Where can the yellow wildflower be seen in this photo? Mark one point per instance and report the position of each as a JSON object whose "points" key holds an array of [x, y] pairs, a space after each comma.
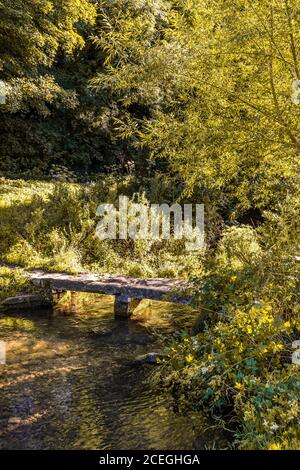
{"points": [[189, 358], [239, 386], [274, 446]]}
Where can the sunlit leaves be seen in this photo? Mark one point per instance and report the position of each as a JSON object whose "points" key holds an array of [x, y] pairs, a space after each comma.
{"points": [[216, 79]]}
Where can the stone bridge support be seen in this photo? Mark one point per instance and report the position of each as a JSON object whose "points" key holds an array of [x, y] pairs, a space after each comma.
{"points": [[125, 306]]}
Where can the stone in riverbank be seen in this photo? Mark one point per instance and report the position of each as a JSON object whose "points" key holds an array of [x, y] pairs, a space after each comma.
{"points": [[150, 358], [24, 301]]}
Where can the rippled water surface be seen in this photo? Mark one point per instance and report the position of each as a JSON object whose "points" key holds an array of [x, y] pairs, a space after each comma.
{"points": [[70, 381]]}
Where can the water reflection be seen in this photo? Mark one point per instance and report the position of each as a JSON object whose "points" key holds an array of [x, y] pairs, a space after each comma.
{"points": [[69, 382]]}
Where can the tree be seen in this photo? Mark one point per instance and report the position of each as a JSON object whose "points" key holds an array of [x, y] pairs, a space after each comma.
{"points": [[216, 78], [33, 31], [51, 116], [45, 62]]}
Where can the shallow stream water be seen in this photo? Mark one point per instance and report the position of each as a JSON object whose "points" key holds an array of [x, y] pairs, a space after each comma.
{"points": [[71, 382]]}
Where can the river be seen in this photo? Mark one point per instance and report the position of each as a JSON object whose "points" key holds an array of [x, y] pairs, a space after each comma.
{"points": [[71, 381]]}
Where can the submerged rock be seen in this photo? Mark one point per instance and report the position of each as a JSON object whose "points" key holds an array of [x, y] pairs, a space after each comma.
{"points": [[25, 301], [14, 420]]}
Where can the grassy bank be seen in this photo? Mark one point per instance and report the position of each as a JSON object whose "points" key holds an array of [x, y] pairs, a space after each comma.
{"points": [[52, 225], [13, 282]]}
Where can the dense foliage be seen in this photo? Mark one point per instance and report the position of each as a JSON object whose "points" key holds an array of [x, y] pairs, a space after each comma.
{"points": [[238, 363], [51, 116], [195, 101], [53, 225], [217, 79]]}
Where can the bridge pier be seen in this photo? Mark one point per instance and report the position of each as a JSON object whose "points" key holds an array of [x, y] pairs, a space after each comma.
{"points": [[57, 295], [124, 306]]}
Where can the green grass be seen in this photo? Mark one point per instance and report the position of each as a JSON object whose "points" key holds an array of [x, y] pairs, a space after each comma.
{"points": [[52, 225]]}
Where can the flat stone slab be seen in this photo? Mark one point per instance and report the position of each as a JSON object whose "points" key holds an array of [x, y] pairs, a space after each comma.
{"points": [[153, 289]]}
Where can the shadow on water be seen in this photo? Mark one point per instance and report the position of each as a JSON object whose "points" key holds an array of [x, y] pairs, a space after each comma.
{"points": [[69, 381]]}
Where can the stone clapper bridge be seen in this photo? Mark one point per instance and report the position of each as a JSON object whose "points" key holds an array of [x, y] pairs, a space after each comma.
{"points": [[128, 292]]}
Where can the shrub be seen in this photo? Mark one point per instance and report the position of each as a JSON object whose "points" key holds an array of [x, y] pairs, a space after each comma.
{"points": [[238, 365], [13, 282], [53, 226]]}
